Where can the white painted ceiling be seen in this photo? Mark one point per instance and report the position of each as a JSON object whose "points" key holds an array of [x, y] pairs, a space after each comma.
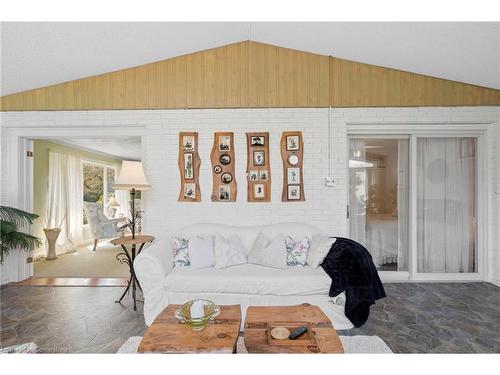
{"points": [[125, 148], [39, 54]]}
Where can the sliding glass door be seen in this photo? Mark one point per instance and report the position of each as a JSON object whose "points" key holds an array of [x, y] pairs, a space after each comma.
{"points": [[440, 204], [378, 181], [446, 205]]}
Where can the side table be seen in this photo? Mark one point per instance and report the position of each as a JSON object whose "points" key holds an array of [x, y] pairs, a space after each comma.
{"points": [[129, 257]]}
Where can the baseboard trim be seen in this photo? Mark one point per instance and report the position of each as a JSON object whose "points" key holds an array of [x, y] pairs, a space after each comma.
{"points": [[71, 281], [495, 281]]}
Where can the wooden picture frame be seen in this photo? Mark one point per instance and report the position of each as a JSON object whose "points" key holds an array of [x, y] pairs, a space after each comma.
{"points": [[292, 156], [189, 167], [224, 186], [258, 167]]}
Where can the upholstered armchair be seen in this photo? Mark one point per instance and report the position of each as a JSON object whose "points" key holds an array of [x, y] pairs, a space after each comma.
{"points": [[100, 226]]}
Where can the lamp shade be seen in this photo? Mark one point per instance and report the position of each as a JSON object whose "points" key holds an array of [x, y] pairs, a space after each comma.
{"points": [[131, 177], [113, 202]]}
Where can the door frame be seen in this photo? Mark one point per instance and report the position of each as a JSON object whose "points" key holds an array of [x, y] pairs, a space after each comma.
{"points": [[17, 140], [422, 130]]}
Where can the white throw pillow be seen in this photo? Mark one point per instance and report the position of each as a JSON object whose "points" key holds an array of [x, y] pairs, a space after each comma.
{"points": [[229, 251], [296, 251], [179, 247], [320, 246], [269, 253], [201, 252]]}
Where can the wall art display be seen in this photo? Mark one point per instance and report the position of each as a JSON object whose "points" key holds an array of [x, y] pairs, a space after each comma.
{"points": [[226, 178], [259, 158], [225, 159], [189, 167], [190, 191], [224, 187], [292, 143], [258, 191], [292, 155], [293, 159], [258, 141], [258, 167], [293, 176], [188, 143], [224, 143], [225, 193], [294, 192]]}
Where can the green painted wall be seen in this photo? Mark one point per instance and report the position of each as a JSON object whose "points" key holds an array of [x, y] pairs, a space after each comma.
{"points": [[41, 175]]}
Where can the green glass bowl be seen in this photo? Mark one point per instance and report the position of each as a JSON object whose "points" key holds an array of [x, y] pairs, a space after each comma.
{"points": [[211, 310]]}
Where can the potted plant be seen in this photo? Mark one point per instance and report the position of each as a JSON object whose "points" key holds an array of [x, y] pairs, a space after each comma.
{"points": [[11, 220]]}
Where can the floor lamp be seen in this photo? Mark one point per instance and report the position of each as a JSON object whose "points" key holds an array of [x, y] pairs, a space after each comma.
{"points": [[132, 178]]}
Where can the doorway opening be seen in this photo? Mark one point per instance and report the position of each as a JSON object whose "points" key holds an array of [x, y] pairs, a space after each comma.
{"points": [[74, 197]]}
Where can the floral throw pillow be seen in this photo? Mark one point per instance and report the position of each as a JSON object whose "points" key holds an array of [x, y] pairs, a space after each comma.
{"points": [[181, 253], [296, 251]]}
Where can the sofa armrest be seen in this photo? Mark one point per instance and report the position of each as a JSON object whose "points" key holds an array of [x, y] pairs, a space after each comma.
{"points": [[151, 267]]}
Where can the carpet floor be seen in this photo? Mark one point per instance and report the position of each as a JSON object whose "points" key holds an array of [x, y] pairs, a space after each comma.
{"points": [[84, 263]]}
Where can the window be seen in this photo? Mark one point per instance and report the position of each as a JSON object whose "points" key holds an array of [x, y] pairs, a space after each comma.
{"points": [[98, 180]]}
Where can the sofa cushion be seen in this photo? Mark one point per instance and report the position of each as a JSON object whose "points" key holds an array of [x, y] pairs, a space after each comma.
{"points": [[296, 251], [249, 279], [320, 246], [180, 251], [248, 234], [269, 252], [229, 251], [201, 252]]}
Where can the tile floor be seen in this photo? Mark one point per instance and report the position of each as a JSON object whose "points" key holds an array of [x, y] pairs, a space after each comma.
{"points": [[414, 318]]}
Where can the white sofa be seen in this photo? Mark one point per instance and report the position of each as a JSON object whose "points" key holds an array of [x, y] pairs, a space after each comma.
{"points": [[246, 285]]}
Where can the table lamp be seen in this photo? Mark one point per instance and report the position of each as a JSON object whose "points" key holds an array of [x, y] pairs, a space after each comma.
{"points": [[132, 178], [112, 205]]}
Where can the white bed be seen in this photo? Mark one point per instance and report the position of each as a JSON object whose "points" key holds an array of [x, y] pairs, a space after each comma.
{"points": [[382, 238]]}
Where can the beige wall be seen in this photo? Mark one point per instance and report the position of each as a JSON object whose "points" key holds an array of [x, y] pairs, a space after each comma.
{"points": [[41, 175]]}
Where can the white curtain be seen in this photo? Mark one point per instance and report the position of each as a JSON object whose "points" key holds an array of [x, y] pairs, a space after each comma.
{"points": [[445, 204], [402, 201], [65, 200], [123, 198], [358, 191]]}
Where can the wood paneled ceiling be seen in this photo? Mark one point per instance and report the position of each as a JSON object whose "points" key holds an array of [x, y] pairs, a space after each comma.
{"points": [[251, 75]]}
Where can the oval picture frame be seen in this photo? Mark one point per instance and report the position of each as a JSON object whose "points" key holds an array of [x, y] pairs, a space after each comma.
{"points": [[226, 178], [217, 169], [293, 160], [225, 159]]}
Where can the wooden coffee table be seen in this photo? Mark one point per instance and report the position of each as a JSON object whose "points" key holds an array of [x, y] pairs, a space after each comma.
{"points": [[323, 338], [168, 335]]}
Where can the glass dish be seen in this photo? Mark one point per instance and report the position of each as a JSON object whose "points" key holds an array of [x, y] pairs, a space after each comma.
{"points": [[211, 310]]}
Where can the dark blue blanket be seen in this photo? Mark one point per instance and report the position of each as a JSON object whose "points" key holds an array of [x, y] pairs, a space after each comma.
{"points": [[351, 268]]}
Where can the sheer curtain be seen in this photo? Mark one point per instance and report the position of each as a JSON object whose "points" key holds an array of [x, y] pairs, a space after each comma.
{"points": [[402, 202], [358, 190], [65, 200], [446, 204], [123, 198]]}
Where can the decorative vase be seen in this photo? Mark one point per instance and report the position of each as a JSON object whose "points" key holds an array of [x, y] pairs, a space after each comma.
{"points": [[51, 234]]}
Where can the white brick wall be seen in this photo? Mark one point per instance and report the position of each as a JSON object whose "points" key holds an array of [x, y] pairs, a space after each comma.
{"points": [[324, 207]]}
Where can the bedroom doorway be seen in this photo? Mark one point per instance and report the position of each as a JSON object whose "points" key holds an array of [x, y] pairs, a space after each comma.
{"points": [[414, 202]]}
